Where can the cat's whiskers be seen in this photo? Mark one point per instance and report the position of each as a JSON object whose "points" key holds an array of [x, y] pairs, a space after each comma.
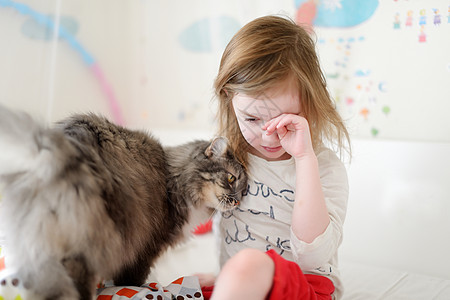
{"points": [[215, 210]]}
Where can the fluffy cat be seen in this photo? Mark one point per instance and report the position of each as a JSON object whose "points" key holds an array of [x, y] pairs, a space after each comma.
{"points": [[88, 199]]}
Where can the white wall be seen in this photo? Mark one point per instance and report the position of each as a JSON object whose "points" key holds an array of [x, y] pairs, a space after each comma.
{"points": [[160, 58]]}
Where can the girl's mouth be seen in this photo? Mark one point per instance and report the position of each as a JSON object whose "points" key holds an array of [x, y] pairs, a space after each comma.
{"points": [[272, 149]]}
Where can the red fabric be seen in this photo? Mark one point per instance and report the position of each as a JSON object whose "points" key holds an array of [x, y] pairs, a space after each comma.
{"points": [[203, 228], [2, 263], [289, 282], [207, 292]]}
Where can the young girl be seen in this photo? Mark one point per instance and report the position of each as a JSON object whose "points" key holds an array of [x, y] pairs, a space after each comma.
{"points": [[282, 242]]}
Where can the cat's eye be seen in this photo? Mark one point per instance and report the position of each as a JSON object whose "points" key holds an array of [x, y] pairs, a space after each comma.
{"points": [[231, 178]]}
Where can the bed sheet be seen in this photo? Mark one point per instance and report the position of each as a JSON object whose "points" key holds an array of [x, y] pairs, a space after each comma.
{"points": [[361, 281], [371, 282]]}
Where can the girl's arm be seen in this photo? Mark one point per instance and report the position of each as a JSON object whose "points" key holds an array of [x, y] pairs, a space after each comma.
{"points": [[310, 215]]}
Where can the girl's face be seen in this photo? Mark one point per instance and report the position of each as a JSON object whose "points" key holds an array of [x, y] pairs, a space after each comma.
{"points": [[253, 112]]}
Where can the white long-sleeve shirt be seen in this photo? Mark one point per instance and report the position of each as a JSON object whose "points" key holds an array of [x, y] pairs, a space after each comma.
{"points": [[263, 219]]}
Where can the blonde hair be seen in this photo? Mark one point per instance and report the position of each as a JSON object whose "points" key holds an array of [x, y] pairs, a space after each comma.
{"points": [[261, 54]]}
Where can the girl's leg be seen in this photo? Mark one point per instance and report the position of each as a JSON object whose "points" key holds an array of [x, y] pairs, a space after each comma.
{"points": [[247, 275]]}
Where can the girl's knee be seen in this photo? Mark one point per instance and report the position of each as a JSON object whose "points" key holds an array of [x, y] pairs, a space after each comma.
{"points": [[250, 256], [247, 275], [251, 261]]}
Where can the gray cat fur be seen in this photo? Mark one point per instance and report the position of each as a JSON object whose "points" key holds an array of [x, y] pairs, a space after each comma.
{"points": [[87, 200]]}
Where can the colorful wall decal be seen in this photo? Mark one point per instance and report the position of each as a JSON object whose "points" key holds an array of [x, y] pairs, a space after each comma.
{"points": [[36, 30], [448, 16], [209, 33], [362, 73], [437, 17], [374, 78], [397, 21], [374, 132], [423, 17], [359, 93], [383, 86], [337, 13], [306, 12], [409, 18], [381, 59], [425, 20], [47, 24]]}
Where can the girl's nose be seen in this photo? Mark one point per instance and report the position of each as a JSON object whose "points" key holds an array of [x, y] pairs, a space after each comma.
{"points": [[269, 139]]}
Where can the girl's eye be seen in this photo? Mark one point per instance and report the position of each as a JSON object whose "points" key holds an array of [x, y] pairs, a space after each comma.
{"points": [[231, 178], [251, 119]]}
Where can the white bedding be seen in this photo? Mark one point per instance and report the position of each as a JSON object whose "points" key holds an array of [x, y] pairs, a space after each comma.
{"points": [[361, 281]]}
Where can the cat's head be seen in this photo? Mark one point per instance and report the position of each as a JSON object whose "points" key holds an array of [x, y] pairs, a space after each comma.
{"points": [[224, 177]]}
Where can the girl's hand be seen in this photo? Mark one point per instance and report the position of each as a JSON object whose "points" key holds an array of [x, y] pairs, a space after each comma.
{"points": [[293, 132]]}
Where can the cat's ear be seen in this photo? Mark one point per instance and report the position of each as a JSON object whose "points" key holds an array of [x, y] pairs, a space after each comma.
{"points": [[218, 147]]}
